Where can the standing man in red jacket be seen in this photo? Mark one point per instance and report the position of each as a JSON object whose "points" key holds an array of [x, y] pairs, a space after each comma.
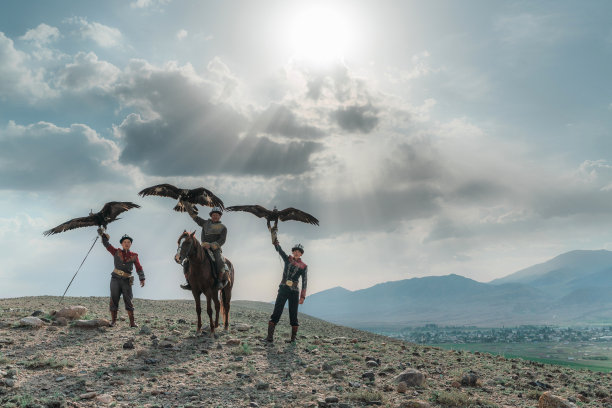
{"points": [[121, 277], [288, 288]]}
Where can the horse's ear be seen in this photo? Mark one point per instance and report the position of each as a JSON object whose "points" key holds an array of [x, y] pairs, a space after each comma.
{"points": [[193, 234]]}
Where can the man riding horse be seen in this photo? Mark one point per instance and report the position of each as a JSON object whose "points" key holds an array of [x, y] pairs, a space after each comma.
{"points": [[213, 238]]}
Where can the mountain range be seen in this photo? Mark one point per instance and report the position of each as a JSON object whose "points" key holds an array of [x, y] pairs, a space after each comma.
{"points": [[571, 289]]}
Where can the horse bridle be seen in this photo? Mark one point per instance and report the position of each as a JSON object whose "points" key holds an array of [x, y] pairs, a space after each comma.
{"points": [[178, 252]]}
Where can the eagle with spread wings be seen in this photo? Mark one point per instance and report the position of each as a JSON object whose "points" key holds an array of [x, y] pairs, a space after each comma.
{"points": [[276, 215], [185, 196], [108, 214]]}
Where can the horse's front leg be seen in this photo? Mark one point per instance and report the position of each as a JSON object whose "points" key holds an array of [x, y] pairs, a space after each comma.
{"points": [[217, 306], [198, 311], [209, 311]]}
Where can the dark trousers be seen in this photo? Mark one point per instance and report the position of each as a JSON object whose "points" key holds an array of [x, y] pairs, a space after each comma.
{"points": [[284, 294], [120, 286]]}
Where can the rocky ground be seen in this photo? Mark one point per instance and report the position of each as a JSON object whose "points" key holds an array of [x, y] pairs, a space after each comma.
{"points": [[164, 364]]}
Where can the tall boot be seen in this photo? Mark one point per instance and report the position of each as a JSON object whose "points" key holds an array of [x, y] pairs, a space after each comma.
{"points": [[271, 327], [294, 330], [131, 316], [113, 318], [222, 279], [186, 286]]}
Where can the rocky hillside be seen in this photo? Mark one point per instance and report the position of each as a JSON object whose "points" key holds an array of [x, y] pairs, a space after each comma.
{"points": [[164, 364]]}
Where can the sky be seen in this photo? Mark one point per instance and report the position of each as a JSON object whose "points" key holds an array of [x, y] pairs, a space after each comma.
{"points": [[428, 138]]}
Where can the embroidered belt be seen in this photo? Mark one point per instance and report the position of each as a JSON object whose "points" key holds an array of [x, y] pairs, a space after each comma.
{"points": [[122, 273], [291, 283]]}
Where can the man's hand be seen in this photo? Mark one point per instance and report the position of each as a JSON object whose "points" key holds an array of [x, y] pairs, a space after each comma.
{"points": [[142, 283], [302, 300], [273, 235], [206, 245]]}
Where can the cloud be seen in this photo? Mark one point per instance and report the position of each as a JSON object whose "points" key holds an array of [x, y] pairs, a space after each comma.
{"points": [[17, 79], [355, 118], [101, 34], [41, 35], [279, 120], [181, 34], [43, 156], [183, 130], [154, 4], [86, 72]]}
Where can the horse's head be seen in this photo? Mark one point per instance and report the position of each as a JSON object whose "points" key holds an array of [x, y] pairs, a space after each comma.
{"points": [[186, 244]]}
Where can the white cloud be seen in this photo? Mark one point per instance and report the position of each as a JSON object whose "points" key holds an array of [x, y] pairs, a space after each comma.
{"points": [[154, 4], [86, 72], [45, 156], [17, 78], [43, 34], [181, 34], [101, 34]]}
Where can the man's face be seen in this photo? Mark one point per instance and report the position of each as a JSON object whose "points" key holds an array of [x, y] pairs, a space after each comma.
{"points": [[126, 244], [215, 216], [297, 253]]}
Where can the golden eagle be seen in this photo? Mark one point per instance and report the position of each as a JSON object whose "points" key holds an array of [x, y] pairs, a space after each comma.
{"points": [[185, 196], [275, 215], [108, 214]]}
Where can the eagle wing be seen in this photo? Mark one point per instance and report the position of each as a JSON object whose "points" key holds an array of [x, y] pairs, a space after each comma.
{"points": [[164, 190], [297, 215], [257, 210], [88, 221], [113, 208], [205, 197]]}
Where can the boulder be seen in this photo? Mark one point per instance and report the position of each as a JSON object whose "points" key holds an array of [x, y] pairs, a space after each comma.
{"points": [[242, 326], [31, 321], [415, 404], [547, 400], [71, 312], [411, 377], [91, 324]]}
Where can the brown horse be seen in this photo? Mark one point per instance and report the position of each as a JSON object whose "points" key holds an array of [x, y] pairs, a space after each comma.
{"points": [[202, 280]]}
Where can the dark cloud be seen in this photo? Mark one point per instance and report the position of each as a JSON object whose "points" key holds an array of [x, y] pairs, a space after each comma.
{"points": [[355, 118], [183, 131], [44, 156], [280, 120]]}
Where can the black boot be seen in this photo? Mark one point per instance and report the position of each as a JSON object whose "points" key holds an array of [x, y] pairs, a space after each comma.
{"points": [[271, 327], [186, 286], [294, 330], [221, 279]]}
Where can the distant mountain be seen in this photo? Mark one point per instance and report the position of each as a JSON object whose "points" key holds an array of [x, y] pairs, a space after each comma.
{"points": [[566, 273], [575, 287]]}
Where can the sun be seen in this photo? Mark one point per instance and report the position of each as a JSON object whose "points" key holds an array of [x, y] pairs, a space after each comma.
{"points": [[320, 36]]}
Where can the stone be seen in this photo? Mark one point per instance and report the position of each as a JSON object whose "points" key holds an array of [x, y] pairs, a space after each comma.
{"points": [[88, 395], [233, 342], [9, 382], [469, 379], [90, 324], [368, 375], [411, 377], [242, 326], [145, 330], [71, 312], [31, 321], [415, 404], [104, 398], [128, 345], [262, 386], [339, 374], [313, 371], [60, 378], [60, 321], [331, 400], [402, 387], [37, 313], [372, 363], [547, 400]]}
